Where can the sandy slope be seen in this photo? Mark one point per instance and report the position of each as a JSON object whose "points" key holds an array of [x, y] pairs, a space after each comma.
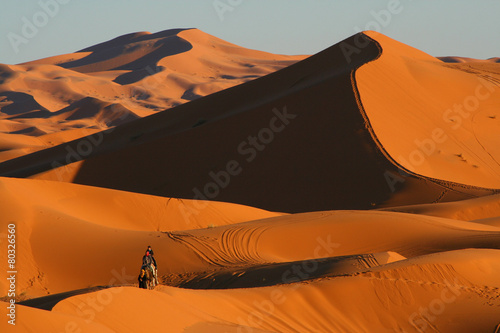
{"points": [[101, 244], [416, 271], [382, 299], [467, 60], [371, 302], [336, 130], [446, 128], [50, 216], [485, 210], [129, 77]]}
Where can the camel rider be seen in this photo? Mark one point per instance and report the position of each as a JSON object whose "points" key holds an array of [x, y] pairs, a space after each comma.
{"points": [[146, 261], [149, 261], [152, 254]]}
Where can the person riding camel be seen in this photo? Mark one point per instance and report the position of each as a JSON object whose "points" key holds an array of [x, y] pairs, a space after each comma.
{"points": [[149, 261], [146, 260], [152, 254]]}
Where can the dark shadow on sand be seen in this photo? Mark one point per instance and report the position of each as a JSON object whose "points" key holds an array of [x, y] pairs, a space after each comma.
{"points": [[48, 302]]}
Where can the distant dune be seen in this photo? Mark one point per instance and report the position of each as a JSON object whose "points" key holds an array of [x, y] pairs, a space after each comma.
{"points": [[50, 101], [465, 59], [354, 190]]}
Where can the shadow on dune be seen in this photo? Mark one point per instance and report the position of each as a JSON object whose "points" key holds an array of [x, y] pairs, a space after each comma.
{"points": [[85, 108], [274, 274], [134, 52], [324, 139], [21, 103], [48, 302]]}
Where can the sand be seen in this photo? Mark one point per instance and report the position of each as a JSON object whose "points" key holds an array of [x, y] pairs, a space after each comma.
{"points": [[117, 81], [450, 137], [341, 192]]}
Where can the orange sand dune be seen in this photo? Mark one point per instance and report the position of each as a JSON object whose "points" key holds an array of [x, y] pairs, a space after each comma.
{"points": [[332, 116], [478, 209], [36, 205], [347, 293], [367, 123], [451, 298], [446, 130], [100, 236], [120, 80], [371, 302]]}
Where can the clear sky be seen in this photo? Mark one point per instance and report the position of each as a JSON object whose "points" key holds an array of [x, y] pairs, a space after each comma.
{"points": [[32, 29]]}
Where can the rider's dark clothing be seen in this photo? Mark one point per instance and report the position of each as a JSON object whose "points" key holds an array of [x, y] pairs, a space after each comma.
{"points": [[152, 255], [147, 261]]}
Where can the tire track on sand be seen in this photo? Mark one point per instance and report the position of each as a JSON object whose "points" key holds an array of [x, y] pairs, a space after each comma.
{"points": [[235, 246]]}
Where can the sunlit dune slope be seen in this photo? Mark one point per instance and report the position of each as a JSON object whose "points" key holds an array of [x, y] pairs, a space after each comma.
{"points": [[435, 119], [91, 215], [99, 243], [445, 286], [367, 123], [484, 210]]}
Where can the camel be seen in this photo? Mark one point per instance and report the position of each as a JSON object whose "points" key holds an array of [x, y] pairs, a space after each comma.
{"points": [[146, 279]]}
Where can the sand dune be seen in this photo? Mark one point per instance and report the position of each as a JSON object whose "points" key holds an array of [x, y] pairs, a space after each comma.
{"points": [[451, 136], [354, 265], [379, 300], [466, 59], [467, 210], [370, 302], [126, 78], [376, 162], [321, 115], [122, 225], [47, 206]]}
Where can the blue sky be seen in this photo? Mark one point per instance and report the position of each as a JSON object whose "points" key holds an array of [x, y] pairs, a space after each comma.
{"points": [[32, 29]]}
